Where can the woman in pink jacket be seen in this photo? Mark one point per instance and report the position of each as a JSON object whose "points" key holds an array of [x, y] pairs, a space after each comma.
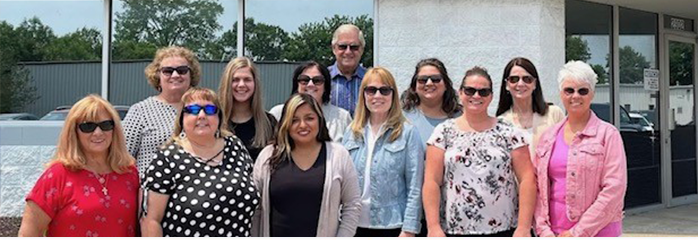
{"points": [[581, 166]]}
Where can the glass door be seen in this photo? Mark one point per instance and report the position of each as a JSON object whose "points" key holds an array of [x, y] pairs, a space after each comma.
{"points": [[682, 120]]}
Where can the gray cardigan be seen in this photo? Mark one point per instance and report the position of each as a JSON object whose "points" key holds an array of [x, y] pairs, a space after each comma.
{"points": [[341, 191]]}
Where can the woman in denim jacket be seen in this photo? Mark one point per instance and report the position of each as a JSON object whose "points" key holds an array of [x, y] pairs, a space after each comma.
{"points": [[581, 166], [391, 182]]}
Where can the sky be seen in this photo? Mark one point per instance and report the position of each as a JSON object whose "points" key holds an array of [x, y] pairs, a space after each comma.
{"points": [[65, 16]]}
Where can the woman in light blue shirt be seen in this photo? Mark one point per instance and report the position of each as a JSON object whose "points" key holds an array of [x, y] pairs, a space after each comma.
{"points": [[388, 155]]}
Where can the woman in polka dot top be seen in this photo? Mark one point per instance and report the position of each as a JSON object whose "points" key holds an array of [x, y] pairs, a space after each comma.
{"points": [[200, 182]]}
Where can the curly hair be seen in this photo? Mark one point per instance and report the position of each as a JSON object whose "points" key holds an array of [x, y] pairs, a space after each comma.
{"points": [[151, 71]]}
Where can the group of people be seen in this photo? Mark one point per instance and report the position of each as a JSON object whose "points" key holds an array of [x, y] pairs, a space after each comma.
{"points": [[343, 156]]}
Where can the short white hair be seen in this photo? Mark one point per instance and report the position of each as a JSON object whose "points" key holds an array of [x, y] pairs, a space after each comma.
{"points": [[577, 71], [345, 28]]}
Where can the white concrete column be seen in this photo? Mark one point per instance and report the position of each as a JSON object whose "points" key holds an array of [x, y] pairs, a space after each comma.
{"points": [[465, 33]]}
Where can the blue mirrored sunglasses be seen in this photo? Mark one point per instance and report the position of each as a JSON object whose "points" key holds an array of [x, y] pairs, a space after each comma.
{"points": [[195, 109]]}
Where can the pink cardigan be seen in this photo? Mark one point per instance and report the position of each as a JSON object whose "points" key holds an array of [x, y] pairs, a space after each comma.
{"points": [[596, 178]]}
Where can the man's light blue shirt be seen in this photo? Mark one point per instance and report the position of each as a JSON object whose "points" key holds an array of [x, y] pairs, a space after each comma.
{"points": [[345, 92]]}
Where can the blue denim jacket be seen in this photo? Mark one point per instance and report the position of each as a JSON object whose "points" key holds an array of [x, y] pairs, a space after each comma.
{"points": [[397, 174]]}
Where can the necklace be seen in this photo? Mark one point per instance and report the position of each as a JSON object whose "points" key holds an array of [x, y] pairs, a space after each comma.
{"points": [[103, 180], [211, 160]]}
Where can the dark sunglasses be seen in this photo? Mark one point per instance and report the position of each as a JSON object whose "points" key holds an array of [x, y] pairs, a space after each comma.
{"points": [[89, 127], [526, 79], [434, 78], [168, 70], [470, 91], [345, 46], [385, 91], [570, 91], [195, 109], [304, 80]]}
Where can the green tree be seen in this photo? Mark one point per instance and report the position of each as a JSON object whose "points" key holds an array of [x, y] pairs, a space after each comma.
{"points": [[188, 23], [83, 44], [632, 65], [681, 64], [576, 49], [263, 42], [601, 73], [313, 41], [17, 86], [26, 42]]}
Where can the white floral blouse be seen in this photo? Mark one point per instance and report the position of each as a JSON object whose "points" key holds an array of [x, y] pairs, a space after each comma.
{"points": [[479, 191]]}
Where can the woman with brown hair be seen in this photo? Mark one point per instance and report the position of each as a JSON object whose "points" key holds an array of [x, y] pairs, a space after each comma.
{"points": [[308, 183], [91, 186], [240, 93]]}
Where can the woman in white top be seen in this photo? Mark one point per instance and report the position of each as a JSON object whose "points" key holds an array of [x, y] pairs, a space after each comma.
{"points": [[521, 101], [313, 78]]}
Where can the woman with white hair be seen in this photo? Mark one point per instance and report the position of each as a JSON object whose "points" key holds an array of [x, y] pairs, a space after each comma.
{"points": [[581, 166]]}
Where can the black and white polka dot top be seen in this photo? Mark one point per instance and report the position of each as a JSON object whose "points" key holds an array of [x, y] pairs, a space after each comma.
{"points": [[205, 200]]}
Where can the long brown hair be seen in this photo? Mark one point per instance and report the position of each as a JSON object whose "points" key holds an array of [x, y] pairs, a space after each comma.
{"points": [[283, 145], [450, 105], [395, 117], [263, 130], [69, 151], [506, 101]]}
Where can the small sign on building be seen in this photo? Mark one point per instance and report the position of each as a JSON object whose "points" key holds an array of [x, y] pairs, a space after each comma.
{"points": [[651, 79]]}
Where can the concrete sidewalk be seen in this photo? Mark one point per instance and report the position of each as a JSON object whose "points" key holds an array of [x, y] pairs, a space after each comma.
{"points": [[669, 222]]}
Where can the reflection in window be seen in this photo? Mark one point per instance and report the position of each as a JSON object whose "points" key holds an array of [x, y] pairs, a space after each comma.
{"points": [[36, 40]]}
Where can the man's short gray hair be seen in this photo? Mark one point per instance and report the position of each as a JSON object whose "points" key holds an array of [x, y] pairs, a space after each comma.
{"points": [[344, 28], [578, 71]]}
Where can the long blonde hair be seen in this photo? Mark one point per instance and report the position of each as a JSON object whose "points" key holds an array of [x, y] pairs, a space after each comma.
{"points": [[203, 94], [362, 114], [263, 130], [69, 151]]}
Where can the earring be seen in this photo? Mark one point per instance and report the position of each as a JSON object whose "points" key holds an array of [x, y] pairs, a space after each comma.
{"points": [[182, 135], [218, 134]]}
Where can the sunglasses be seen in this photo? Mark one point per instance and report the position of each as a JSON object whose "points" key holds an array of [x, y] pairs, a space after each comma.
{"points": [[304, 80], [570, 91], [470, 91], [385, 91], [168, 70], [434, 78], [526, 79], [345, 46], [195, 109], [89, 127]]}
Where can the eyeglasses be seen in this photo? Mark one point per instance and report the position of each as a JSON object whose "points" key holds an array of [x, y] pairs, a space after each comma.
{"points": [[168, 70], [526, 79], [470, 91], [570, 91], [345, 46], [385, 91], [195, 109], [434, 78], [304, 80], [89, 127]]}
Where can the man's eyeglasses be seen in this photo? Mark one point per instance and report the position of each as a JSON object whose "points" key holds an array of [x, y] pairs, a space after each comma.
{"points": [[345, 46], [470, 91], [434, 78], [304, 80], [195, 109], [526, 79], [385, 91], [168, 70], [570, 91], [89, 127]]}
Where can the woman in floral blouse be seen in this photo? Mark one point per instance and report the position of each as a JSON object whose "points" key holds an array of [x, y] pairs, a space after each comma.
{"points": [[473, 164]]}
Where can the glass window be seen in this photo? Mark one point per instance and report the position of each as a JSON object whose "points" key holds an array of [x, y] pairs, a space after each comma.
{"points": [[588, 39], [49, 53], [207, 27], [303, 32], [637, 50]]}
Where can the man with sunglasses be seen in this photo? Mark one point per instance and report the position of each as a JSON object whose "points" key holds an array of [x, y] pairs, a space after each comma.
{"points": [[347, 46]]}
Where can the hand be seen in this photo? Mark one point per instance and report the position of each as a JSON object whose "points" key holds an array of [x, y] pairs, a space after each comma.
{"points": [[565, 233], [406, 234], [435, 232], [521, 232]]}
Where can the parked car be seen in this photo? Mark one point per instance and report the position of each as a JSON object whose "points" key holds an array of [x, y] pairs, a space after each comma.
{"points": [[603, 111], [18, 116], [637, 118], [61, 112]]}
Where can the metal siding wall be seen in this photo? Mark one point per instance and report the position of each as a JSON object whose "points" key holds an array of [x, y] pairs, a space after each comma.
{"points": [[65, 83]]}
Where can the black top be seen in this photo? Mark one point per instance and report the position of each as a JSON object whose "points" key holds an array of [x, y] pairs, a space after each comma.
{"points": [[204, 200], [246, 131], [295, 197]]}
